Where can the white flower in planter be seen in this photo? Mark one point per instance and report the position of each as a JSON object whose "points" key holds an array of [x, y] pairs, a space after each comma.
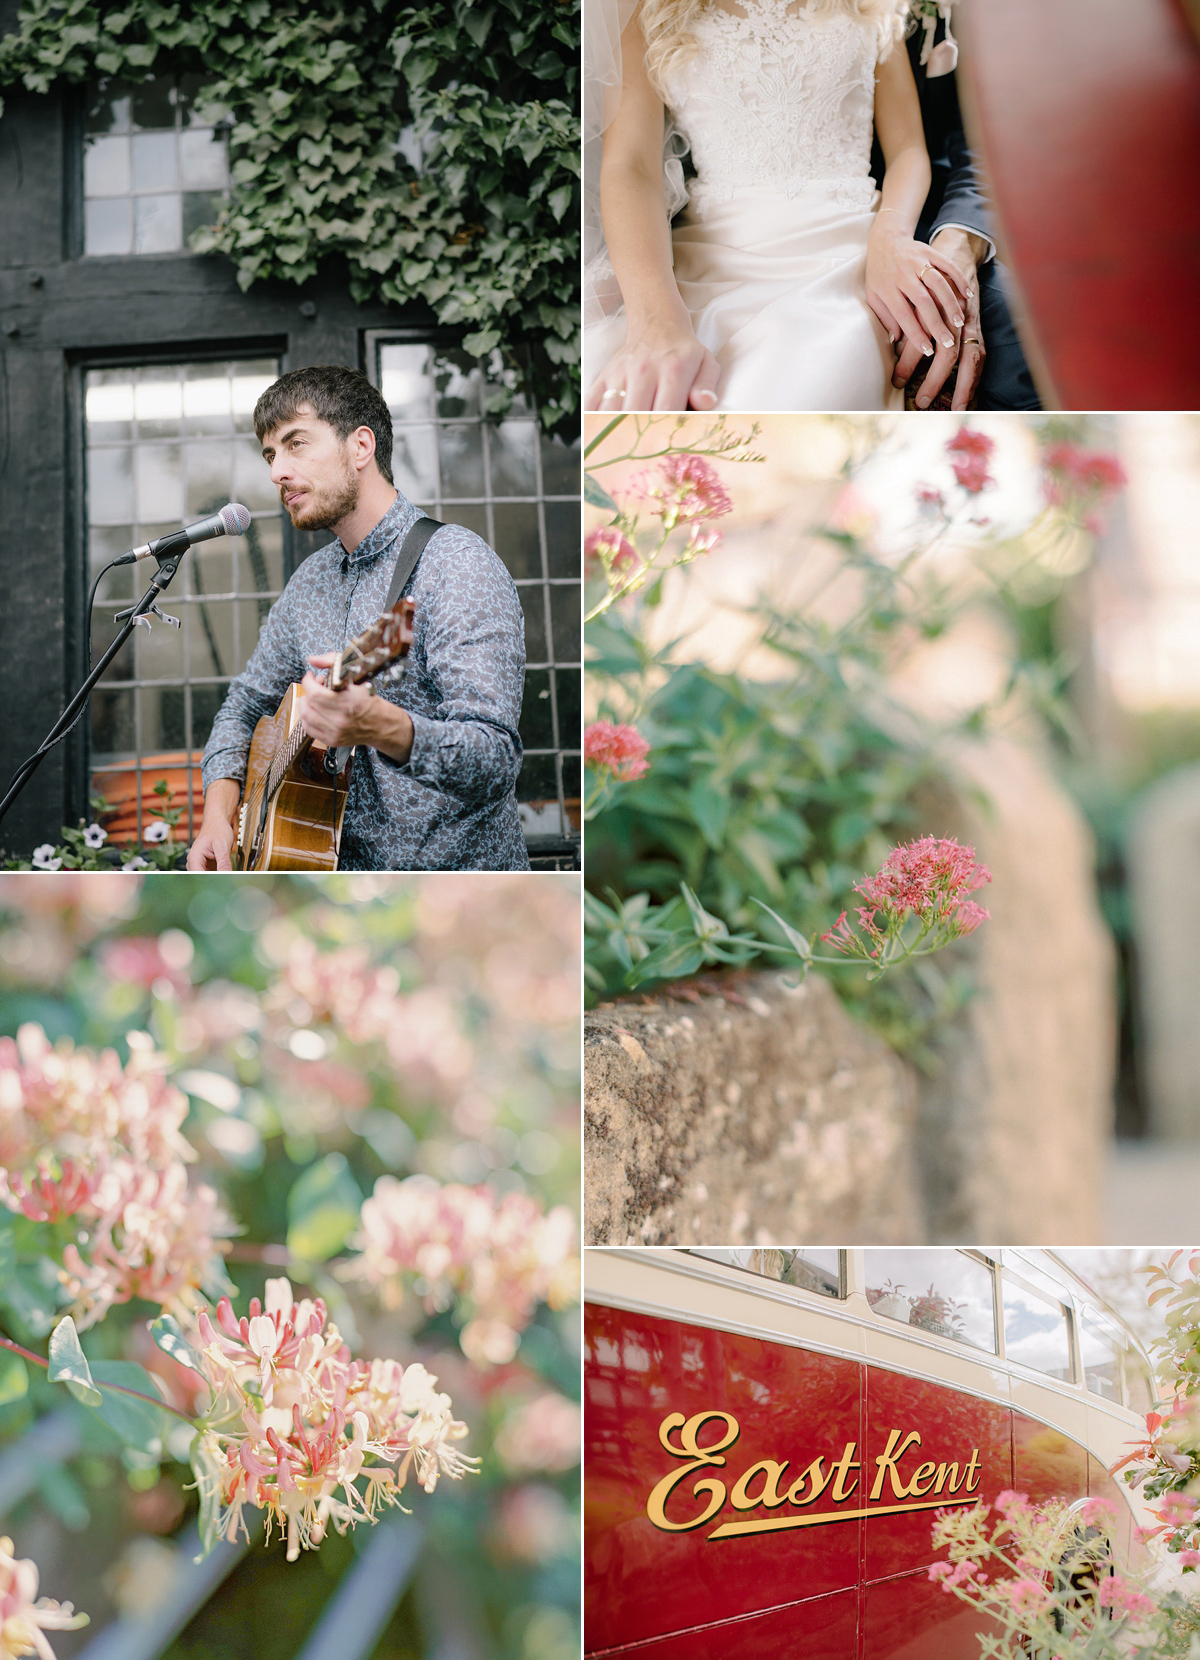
{"points": [[158, 830], [43, 857], [136, 863], [94, 836]]}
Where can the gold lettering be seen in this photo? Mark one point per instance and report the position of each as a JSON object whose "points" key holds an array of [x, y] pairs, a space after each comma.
{"points": [[698, 1457], [925, 1473], [973, 1465], [817, 1479], [841, 1470], [947, 1472], [889, 1458], [770, 1496]]}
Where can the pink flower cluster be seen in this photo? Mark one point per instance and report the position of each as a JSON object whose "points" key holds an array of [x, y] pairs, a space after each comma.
{"points": [[970, 452], [609, 548], [1124, 1598], [502, 1256], [25, 1618], [619, 750], [1082, 480], [82, 1136], [685, 487], [965, 1572], [296, 1424], [929, 879]]}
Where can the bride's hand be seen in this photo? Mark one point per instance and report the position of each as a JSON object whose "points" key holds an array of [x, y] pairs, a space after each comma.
{"points": [[914, 290], [657, 368]]}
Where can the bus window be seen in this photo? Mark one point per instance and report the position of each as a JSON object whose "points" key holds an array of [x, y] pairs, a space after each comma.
{"points": [[1101, 1351], [809, 1267], [1036, 1330], [945, 1292], [1140, 1391]]}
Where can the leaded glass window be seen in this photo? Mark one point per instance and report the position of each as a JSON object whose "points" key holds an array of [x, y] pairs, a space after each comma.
{"points": [[153, 173]]}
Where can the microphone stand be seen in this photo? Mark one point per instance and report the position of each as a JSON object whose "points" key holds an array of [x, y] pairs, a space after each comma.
{"points": [[168, 558]]}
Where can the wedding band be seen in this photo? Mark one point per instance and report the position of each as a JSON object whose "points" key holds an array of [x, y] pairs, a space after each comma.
{"points": [[613, 393], [972, 340]]}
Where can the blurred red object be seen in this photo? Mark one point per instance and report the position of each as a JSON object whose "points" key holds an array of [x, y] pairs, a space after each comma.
{"points": [[119, 785], [1087, 117]]}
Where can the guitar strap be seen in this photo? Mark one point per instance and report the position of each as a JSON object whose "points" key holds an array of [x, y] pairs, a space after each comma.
{"points": [[411, 549]]}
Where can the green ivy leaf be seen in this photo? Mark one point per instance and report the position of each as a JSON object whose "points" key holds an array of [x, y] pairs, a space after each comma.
{"points": [[323, 1207], [68, 1363]]}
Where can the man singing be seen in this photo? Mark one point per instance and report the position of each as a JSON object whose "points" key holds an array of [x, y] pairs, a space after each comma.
{"points": [[432, 786]]}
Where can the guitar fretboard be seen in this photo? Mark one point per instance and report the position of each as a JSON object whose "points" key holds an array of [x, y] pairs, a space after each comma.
{"points": [[298, 740]]}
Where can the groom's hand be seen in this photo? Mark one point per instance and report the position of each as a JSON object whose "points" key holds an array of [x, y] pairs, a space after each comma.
{"points": [[965, 251]]}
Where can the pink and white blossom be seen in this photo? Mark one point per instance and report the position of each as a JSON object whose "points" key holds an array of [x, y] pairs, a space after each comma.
{"points": [[24, 1617]]}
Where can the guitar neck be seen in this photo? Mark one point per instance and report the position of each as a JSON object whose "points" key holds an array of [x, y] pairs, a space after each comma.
{"points": [[296, 744]]}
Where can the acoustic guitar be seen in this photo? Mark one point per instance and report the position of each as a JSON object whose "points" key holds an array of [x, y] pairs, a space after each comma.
{"points": [[294, 798]]}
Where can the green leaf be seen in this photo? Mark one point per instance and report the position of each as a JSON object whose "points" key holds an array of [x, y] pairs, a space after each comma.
{"points": [[673, 961], [596, 495], [64, 1496], [323, 1207], [8, 1247], [795, 939], [68, 1363], [166, 1333], [14, 1379], [138, 1424]]}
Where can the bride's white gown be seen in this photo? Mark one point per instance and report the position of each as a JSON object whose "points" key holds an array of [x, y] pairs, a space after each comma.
{"points": [[777, 107]]}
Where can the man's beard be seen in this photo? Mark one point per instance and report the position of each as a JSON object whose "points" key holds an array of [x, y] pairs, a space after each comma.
{"points": [[327, 503]]}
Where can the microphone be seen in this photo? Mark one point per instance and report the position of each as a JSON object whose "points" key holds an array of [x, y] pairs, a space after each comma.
{"points": [[232, 520]]}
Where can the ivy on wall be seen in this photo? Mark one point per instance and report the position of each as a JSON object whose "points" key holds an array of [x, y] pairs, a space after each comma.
{"points": [[483, 229]]}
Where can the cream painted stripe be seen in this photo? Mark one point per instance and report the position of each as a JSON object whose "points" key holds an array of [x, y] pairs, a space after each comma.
{"points": [[776, 1524]]}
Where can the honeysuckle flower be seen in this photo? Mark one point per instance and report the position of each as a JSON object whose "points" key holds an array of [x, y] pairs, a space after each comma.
{"points": [[158, 830], [43, 858], [296, 1424], [620, 751], [83, 1136], [24, 1617], [501, 1256], [94, 836], [683, 488], [969, 453]]}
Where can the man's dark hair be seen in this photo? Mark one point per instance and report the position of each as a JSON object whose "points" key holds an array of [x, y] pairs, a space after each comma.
{"points": [[343, 397]]}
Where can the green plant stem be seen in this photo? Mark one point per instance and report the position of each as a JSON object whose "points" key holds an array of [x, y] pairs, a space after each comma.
{"points": [[635, 580], [120, 1389], [602, 435]]}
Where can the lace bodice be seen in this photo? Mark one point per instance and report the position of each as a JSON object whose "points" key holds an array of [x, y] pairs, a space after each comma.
{"points": [[777, 97]]}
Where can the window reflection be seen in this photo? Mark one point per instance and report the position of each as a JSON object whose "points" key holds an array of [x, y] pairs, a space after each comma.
{"points": [[500, 479], [152, 174], [810, 1267], [1036, 1330], [168, 444], [940, 1291], [1100, 1349]]}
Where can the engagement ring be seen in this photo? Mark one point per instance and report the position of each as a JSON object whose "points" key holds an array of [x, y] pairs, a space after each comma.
{"points": [[618, 397]]}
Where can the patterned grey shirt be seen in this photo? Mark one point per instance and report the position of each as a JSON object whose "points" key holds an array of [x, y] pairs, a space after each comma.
{"points": [[452, 805]]}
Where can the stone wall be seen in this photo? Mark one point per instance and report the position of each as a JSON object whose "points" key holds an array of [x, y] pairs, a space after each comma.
{"points": [[759, 1116]]}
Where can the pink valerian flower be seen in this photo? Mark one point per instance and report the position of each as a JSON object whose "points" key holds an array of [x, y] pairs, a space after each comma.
{"points": [[928, 879], [296, 1425], [1124, 1598], [24, 1617], [85, 1137], [1010, 1503], [619, 750], [1027, 1596], [1097, 1512], [969, 453], [965, 1572], [1081, 480], [501, 1256], [610, 548], [684, 487], [1188, 1558], [701, 539], [541, 1434]]}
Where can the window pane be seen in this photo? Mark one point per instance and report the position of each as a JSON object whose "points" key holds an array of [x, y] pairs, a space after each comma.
{"points": [[108, 227], [1140, 1390], [106, 169], [141, 484], [537, 719], [1036, 1332], [811, 1267], [154, 167], [202, 164], [513, 458], [1101, 1351], [941, 1291], [157, 224], [517, 540]]}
